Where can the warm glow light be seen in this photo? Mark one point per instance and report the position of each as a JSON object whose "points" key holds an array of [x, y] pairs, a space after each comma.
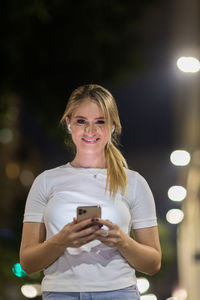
{"points": [[188, 64], [6, 136], [172, 298], [31, 290], [180, 294], [26, 177], [12, 170], [177, 193], [143, 285], [180, 158], [174, 216], [148, 297]]}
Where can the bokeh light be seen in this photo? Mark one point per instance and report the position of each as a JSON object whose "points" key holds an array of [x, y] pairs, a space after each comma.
{"points": [[6, 136], [180, 157], [18, 271], [188, 64], [12, 170], [174, 216], [31, 290], [177, 193], [26, 177], [143, 285]]}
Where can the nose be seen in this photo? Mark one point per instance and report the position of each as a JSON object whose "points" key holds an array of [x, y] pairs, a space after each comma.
{"points": [[90, 128]]}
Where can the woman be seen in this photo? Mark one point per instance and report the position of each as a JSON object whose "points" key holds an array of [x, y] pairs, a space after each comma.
{"points": [[95, 258]]}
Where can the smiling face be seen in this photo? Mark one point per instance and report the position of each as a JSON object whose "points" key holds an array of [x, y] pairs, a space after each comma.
{"points": [[89, 128]]}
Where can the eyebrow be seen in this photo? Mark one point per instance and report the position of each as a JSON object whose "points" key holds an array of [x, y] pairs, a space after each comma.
{"points": [[81, 117]]}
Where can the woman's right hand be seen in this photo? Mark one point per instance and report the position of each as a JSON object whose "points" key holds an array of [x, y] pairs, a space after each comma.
{"points": [[37, 253], [75, 234]]}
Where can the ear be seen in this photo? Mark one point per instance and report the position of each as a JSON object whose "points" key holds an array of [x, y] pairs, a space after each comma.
{"points": [[67, 120]]}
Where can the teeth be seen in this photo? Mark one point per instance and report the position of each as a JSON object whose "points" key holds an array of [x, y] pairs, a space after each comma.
{"points": [[90, 140]]}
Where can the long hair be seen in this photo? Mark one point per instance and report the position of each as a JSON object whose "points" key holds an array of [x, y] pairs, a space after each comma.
{"points": [[116, 175]]}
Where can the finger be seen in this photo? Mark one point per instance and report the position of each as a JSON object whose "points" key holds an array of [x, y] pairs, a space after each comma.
{"points": [[107, 223], [71, 223], [87, 239], [82, 241], [88, 231], [80, 225], [107, 241], [103, 233]]}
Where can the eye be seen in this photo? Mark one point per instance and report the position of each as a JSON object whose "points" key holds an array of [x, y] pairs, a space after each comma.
{"points": [[100, 122], [81, 121]]}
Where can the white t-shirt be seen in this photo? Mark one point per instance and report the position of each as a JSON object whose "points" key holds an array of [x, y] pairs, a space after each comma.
{"points": [[53, 199]]}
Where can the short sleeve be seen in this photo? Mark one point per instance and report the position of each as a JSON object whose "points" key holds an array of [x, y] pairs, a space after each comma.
{"points": [[36, 200], [143, 211]]}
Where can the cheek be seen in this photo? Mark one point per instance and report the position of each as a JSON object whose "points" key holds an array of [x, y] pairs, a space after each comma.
{"points": [[76, 134], [105, 137]]}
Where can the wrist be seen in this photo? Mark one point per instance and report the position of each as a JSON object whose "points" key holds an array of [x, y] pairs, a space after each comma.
{"points": [[123, 244], [57, 241]]}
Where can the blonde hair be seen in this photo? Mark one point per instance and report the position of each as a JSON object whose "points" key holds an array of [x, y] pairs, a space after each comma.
{"points": [[116, 175]]}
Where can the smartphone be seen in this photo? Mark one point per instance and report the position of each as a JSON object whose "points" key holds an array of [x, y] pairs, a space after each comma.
{"points": [[87, 212]]}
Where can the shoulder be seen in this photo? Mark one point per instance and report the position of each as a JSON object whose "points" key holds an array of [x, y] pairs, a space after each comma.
{"points": [[55, 171], [52, 174], [136, 182], [134, 176]]}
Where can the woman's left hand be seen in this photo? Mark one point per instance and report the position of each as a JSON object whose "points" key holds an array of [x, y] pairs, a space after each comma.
{"points": [[113, 236]]}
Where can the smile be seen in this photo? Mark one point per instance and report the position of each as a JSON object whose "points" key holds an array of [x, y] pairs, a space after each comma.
{"points": [[90, 141]]}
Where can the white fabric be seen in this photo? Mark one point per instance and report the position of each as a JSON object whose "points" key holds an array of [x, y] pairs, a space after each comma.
{"points": [[53, 199]]}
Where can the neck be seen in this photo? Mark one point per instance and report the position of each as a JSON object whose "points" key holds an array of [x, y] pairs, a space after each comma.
{"points": [[89, 161]]}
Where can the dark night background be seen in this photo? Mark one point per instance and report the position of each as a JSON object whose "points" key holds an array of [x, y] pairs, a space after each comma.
{"points": [[48, 48]]}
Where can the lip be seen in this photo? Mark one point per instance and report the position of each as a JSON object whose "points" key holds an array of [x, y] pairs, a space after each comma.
{"points": [[90, 141]]}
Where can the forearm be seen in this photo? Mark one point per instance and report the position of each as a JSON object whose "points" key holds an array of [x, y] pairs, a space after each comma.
{"points": [[37, 257], [141, 257], [37, 254]]}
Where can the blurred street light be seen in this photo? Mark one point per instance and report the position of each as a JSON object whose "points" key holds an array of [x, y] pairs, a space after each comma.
{"points": [[31, 290], [143, 285], [180, 158], [174, 216], [188, 64], [177, 193]]}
